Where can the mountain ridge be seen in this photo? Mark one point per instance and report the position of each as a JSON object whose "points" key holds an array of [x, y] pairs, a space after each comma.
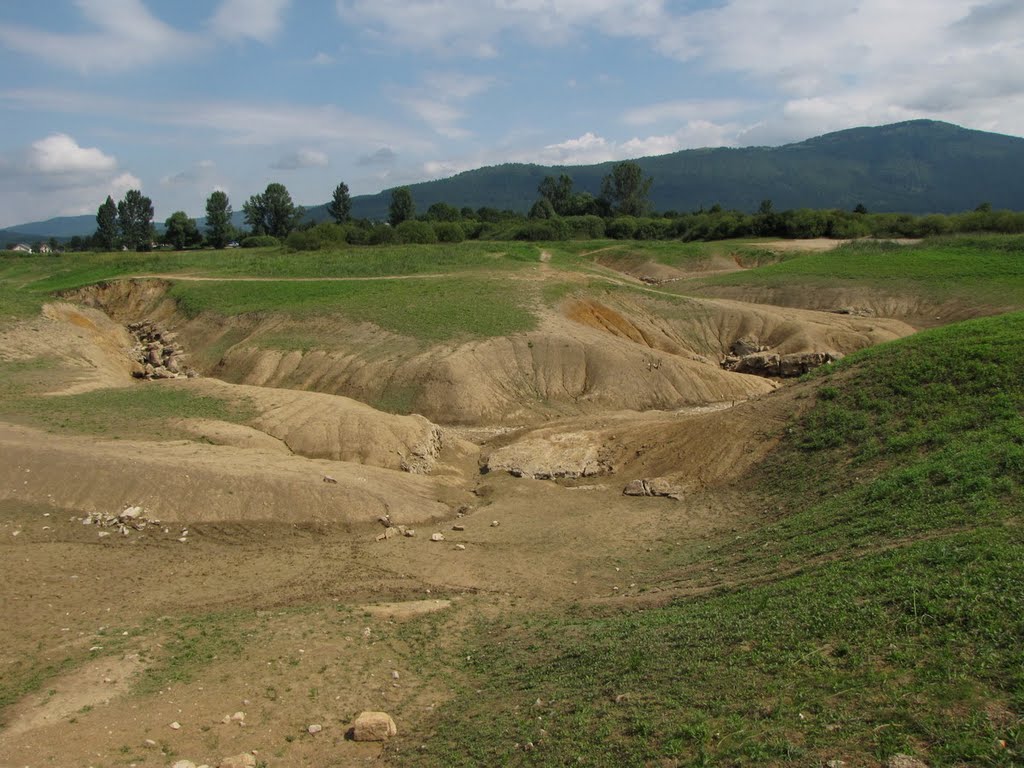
{"points": [[916, 166]]}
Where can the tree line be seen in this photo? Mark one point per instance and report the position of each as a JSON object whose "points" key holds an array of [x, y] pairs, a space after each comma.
{"points": [[622, 211]]}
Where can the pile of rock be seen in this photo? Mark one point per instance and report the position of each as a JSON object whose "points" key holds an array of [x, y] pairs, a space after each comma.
{"points": [[129, 519], [393, 531], [781, 366], [156, 354]]}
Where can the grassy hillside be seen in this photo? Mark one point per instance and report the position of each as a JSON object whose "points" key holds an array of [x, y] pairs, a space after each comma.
{"points": [[978, 270], [875, 608]]}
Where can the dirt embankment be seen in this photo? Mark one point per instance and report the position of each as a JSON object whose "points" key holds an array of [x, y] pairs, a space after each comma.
{"points": [[588, 357]]}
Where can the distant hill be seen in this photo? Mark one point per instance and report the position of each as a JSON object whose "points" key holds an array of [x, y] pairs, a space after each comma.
{"points": [[921, 166]]}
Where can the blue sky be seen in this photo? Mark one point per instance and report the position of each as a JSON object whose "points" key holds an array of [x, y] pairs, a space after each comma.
{"points": [[181, 97]]}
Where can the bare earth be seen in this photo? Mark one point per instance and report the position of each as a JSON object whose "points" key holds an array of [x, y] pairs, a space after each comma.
{"points": [[264, 588]]}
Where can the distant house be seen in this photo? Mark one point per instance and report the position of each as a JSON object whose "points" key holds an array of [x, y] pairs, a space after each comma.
{"points": [[22, 248], [45, 248]]}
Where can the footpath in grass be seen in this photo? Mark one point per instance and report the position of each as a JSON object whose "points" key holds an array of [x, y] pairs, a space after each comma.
{"points": [[877, 612]]}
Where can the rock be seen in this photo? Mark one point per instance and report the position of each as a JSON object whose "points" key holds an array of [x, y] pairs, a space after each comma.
{"points": [[238, 717], [244, 760], [314, 729], [495, 523], [409, 533], [744, 346], [460, 547], [373, 726], [636, 488], [905, 761], [458, 527], [656, 486], [175, 726], [437, 537], [184, 764], [390, 533], [329, 479], [394, 674]]}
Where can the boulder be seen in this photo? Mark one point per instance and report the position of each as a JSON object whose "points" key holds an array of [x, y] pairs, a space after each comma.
{"points": [[373, 726], [244, 760]]}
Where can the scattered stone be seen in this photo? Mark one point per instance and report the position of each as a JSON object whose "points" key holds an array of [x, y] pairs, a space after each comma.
{"points": [[149, 743], [131, 518], [238, 717], [373, 726], [458, 527], [102, 534], [437, 537], [314, 729], [244, 760], [495, 523], [394, 674], [175, 726], [409, 533], [385, 520], [835, 764], [460, 547], [184, 764], [329, 479], [905, 761]]}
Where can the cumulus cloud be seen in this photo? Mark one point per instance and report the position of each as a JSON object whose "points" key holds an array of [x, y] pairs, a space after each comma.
{"points": [[56, 174], [249, 19], [303, 158], [60, 153]]}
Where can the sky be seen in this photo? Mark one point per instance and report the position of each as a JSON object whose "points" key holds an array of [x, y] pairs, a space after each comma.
{"points": [[179, 98]]}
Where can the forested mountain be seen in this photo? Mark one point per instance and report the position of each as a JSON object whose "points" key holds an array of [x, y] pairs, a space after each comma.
{"points": [[921, 166]]}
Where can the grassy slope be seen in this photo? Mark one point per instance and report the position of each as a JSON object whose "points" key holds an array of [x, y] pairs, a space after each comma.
{"points": [[878, 611], [979, 270]]}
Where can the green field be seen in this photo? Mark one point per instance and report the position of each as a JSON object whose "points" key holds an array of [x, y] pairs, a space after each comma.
{"points": [[979, 270], [876, 610]]}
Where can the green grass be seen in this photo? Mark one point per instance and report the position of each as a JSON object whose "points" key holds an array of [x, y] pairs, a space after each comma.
{"points": [[876, 610], [75, 270], [979, 270], [142, 410], [430, 309]]}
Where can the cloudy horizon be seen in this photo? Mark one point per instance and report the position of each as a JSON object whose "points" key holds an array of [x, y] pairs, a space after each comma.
{"points": [[182, 98]]}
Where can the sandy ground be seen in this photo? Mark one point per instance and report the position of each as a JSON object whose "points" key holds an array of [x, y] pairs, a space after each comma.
{"points": [[265, 590]]}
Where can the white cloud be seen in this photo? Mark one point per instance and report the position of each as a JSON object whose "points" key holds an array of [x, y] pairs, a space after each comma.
{"points": [[57, 175], [472, 28], [685, 110], [303, 158], [323, 59], [60, 153], [435, 100], [127, 36], [249, 19]]}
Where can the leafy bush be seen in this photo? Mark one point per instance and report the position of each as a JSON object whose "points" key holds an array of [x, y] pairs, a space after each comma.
{"points": [[416, 232], [622, 228], [260, 241], [449, 232], [585, 227], [542, 229], [382, 234], [304, 240]]}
